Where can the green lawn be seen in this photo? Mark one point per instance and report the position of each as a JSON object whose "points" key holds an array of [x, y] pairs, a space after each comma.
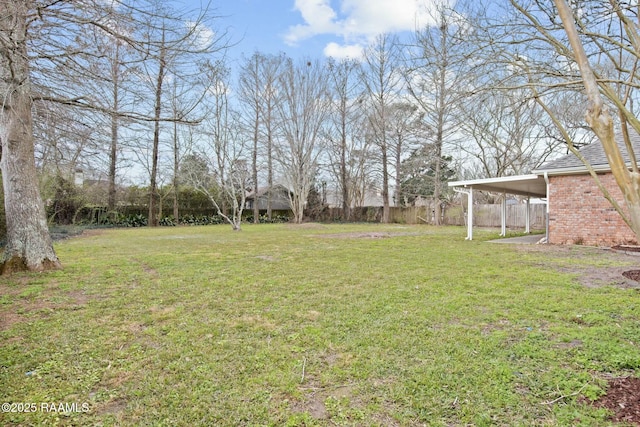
{"points": [[313, 325]]}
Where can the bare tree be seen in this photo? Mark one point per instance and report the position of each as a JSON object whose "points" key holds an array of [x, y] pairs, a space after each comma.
{"points": [[154, 197], [272, 67], [346, 116], [303, 111], [506, 135], [382, 80], [250, 93], [258, 93], [164, 50], [233, 187], [231, 173], [108, 73], [406, 131], [436, 78], [181, 103], [116, 76], [172, 44]]}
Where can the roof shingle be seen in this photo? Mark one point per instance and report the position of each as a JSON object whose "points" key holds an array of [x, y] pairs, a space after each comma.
{"points": [[594, 153]]}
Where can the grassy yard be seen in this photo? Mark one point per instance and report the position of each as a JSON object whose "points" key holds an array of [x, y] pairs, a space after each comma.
{"points": [[313, 325]]}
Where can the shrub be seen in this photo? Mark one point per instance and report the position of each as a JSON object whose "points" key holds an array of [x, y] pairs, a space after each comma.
{"points": [[67, 201], [167, 221], [264, 219], [201, 220], [138, 220]]}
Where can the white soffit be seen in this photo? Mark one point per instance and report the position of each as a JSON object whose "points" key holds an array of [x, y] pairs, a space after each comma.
{"points": [[522, 185]]}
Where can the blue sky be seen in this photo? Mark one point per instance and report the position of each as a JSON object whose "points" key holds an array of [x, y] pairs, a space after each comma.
{"points": [[314, 28]]}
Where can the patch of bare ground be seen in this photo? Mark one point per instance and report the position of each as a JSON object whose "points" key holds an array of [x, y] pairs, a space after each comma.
{"points": [[8, 319], [267, 257], [47, 302], [622, 399], [593, 277], [149, 270], [306, 226], [316, 397], [590, 274], [90, 232], [366, 235], [112, 407]]}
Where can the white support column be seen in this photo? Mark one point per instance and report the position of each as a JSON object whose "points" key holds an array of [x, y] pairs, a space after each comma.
{"points": [[469, 194], [503, 231], [527, 216], [470, 215]]}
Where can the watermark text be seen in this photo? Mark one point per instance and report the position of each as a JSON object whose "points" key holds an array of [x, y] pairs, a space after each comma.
{"points": [[50, 407]]}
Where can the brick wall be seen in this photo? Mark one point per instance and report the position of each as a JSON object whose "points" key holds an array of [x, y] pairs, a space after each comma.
{"points": [[579, 213]]}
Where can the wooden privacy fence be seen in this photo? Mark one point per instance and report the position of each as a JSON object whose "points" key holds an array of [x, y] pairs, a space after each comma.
{"points": [[483, 215]]}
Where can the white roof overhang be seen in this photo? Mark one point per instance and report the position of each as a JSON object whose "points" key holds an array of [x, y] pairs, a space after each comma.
{"points": [[522, 185]]}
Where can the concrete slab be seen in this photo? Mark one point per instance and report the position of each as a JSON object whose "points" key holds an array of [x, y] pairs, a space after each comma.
{"points": [[531, 239]]}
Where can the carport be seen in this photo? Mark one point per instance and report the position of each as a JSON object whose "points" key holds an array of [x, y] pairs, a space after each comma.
{"points": [[521, 185]]}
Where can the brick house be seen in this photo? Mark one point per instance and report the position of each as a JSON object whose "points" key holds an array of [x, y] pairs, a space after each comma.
{"points": [[577, 212]]}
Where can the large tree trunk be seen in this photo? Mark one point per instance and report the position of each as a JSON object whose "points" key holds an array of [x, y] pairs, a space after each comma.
{"points": [[29, 245]]}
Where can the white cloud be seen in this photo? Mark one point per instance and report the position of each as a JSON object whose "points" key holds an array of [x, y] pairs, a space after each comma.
{"points": [[318, 16], [373, 17], [201, 35], [353, 51], [357, 22], [361, 18]]}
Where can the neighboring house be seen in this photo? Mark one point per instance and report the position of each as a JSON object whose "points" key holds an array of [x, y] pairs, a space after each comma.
{"points": [[577, 212], [278, 194], [372, 198]]}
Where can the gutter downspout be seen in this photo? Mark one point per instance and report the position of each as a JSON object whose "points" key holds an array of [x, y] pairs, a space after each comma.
{"points": [[469, 194], [546, 180], [527, 216], [503, 215]]}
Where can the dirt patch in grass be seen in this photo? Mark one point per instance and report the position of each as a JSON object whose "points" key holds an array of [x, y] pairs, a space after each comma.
{"points": [[112, 407], [149, 270], [47, 301], [366, 235], [317, 397], [623, 399], [7, 319], [306, 226], [594, 267], [593, 277], [314, 406], [90, 232]]}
